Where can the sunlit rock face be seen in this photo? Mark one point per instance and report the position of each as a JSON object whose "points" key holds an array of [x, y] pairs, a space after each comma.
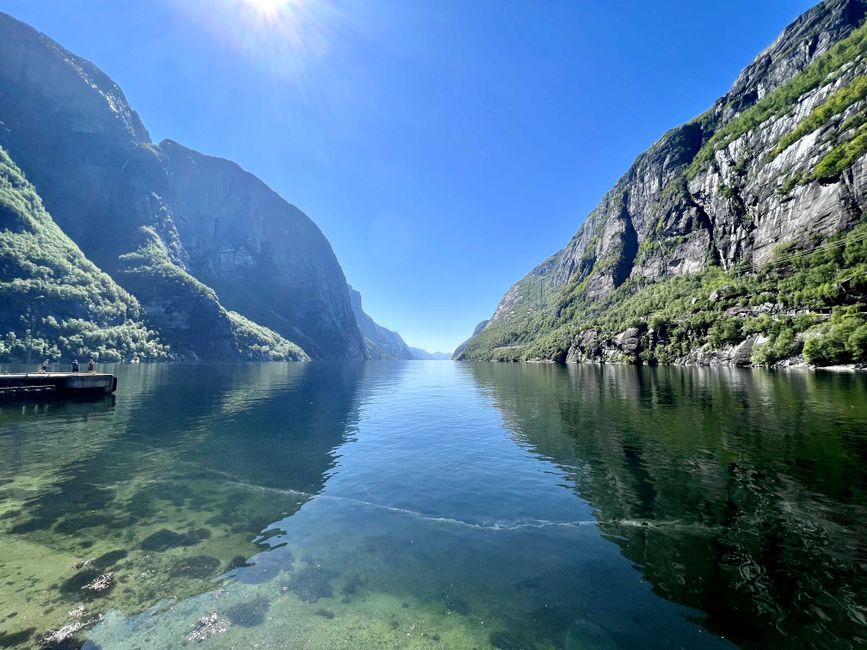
{"points": [[723, 189], [188, 234], [732, 207]]}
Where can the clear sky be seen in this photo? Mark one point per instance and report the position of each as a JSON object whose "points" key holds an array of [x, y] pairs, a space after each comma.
{"points": [[444, 147]]}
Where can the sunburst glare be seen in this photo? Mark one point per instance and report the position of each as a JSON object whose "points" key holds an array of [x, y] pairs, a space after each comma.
{"points": [[284, 36], [269, 8]]}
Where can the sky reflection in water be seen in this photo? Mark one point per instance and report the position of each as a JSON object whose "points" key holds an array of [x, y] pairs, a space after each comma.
{"points": [[441, 505]]}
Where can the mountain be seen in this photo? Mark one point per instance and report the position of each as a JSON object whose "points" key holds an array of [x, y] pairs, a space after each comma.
{"points": [[57, 303], [51, 294], [737, 238], [424, 355], [459, 351], [381, 343], [220, 265], [384, 343]]}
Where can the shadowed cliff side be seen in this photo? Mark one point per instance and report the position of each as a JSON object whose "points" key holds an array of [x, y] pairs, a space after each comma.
{"points": [[164, 221], [54, 300]]}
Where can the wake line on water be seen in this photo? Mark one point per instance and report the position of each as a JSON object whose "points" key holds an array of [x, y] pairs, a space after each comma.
{"points": [[494, 527]]}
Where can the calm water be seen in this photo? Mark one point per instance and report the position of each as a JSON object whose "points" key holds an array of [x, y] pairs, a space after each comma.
{"points": [[440, 505]]}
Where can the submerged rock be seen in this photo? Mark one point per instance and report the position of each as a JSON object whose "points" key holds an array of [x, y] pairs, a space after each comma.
{"points": [[208, 626], [99, 586], [250, 613], [197, 566], [75, 583], [312, 583], [164, 539], [64, 638]]}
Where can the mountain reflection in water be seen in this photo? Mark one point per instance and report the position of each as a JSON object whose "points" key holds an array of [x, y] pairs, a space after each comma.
{"points": [[439, 505], [737, 492]]}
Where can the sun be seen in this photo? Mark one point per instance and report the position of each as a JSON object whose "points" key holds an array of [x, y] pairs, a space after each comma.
{"points": [[283, 37], [269, 8]]}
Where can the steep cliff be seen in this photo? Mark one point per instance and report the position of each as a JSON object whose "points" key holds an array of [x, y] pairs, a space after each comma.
{"points": [[264, 257], [693, 256], [381, 343], [187, 234]]}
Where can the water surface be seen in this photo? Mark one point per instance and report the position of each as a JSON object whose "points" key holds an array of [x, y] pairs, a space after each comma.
{"points": [[440, 505]]}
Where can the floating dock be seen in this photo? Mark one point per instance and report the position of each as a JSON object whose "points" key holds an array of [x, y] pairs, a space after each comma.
{"points": [[56, 384]]}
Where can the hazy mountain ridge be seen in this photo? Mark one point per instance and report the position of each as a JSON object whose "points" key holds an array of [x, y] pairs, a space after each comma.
{"points": [[381, 343], [424, 355], [673, 264], [191, 236]]}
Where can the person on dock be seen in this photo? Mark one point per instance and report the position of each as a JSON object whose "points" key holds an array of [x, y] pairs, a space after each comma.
{"points": [[44, 367], [90, 365], [75, 365]]}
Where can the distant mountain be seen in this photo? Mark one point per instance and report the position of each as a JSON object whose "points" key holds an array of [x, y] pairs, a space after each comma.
{"points": [[737, 238], [220, 265], [384, 343], [424, 355], [381, 343]]}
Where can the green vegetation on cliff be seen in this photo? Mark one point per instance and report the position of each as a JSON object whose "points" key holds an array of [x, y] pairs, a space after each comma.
{"points": [[191, 311], [671, 266], [256, 342], [56, 303], [783, 98], [804, 301]]}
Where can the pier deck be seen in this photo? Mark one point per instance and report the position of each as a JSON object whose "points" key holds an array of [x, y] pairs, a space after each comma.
{"points": [[56, 384]]}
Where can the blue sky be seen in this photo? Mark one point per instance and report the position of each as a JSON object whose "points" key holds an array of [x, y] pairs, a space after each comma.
{"points": [[444, 147]]}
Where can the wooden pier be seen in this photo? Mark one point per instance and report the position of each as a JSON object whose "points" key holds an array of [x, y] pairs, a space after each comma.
{"points": [[56, 384]]}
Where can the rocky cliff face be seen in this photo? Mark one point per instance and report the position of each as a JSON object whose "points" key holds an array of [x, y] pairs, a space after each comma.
{"points": [[779, 160], [381, 343], [264, 257], [187, 234]]}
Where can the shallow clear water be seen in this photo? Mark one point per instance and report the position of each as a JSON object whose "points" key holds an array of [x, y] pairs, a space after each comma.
{"points": [[441, 505]]}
